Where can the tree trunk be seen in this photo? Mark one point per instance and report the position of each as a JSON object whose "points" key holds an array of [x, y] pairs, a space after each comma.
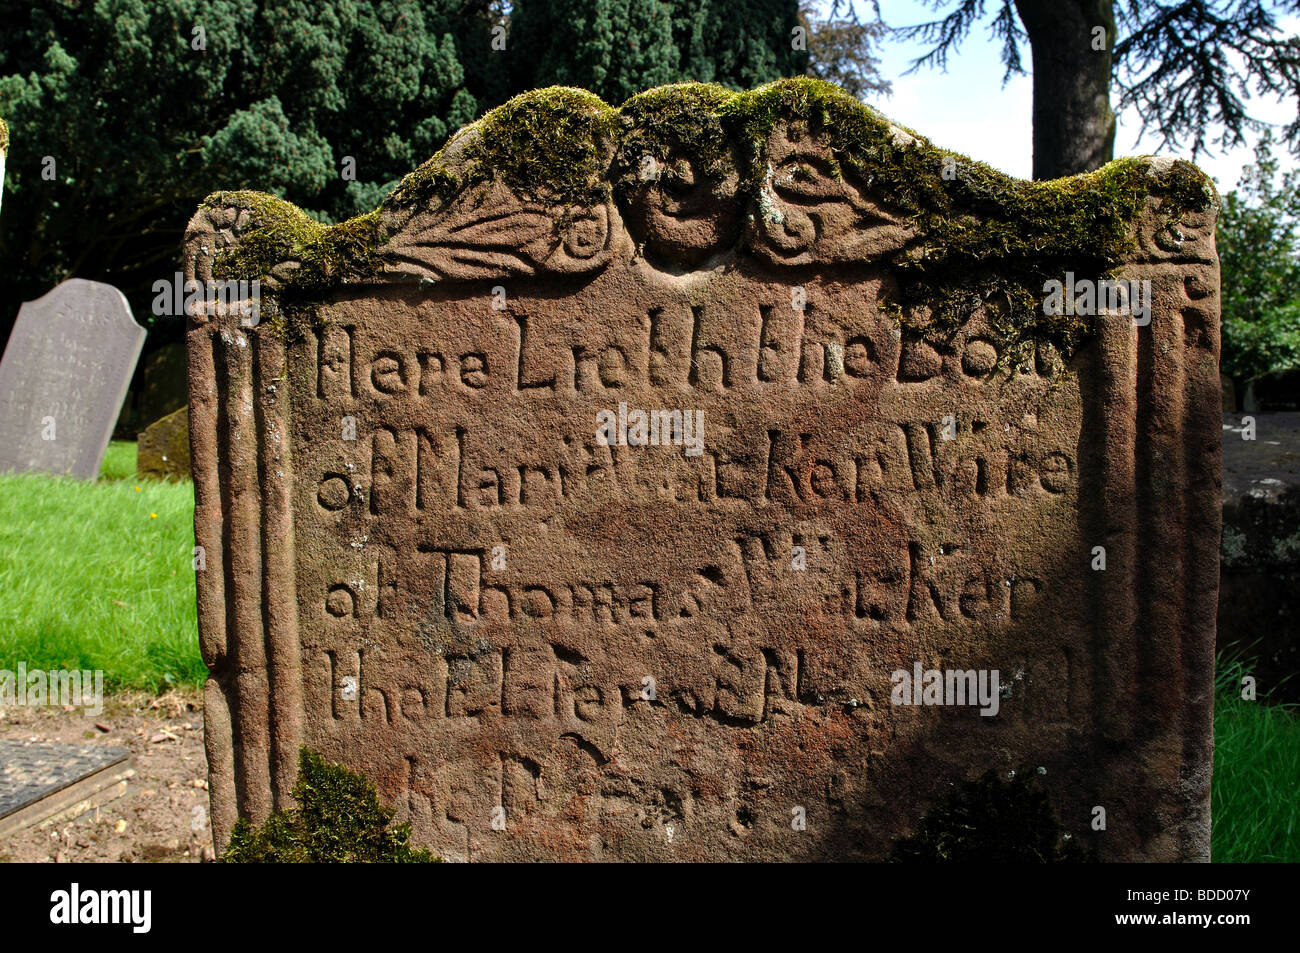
{"points": [[1074, 128]]}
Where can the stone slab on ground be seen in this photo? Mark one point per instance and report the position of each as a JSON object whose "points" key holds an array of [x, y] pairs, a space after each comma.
{"points": [[163, 448], [165, 816], [42, 781]]}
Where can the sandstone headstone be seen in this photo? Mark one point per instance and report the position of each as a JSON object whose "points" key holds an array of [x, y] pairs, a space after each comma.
{"points": [[65, 371], [163, 448], [600, 493]]}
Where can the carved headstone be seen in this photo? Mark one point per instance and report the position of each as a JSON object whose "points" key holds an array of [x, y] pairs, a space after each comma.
{"points": [[163, 448], [65, 371], [603, 494]]}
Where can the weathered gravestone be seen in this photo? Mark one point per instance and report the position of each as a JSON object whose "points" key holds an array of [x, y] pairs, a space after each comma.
{"points": [[65, 371], [600, 494], [163, 448]]}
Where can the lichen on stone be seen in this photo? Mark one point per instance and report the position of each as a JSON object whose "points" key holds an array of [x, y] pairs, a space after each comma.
{"points": [[988, 240], [282, 242], [682, 120]]}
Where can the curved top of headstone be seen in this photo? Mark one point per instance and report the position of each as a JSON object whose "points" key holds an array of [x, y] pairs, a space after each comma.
{"points": [[64, 374], [690, 176]]}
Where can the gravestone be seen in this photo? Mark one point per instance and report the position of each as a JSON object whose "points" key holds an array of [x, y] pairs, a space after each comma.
{"points": [[163, 448], [65, 371], [601, 495]]}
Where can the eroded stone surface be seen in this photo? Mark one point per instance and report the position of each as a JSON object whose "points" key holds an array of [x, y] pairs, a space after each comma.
{"points": [[64, 374], [423, 561]]}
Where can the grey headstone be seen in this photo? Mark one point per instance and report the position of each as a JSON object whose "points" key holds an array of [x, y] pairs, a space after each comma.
{"points": [[70, 357]]}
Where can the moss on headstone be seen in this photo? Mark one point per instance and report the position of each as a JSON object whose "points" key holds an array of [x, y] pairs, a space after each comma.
{"points": [[338, 819], [986, 240]]}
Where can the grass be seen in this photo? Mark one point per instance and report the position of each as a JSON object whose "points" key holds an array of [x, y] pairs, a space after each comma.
{"points": [[99, 576], [1254, 803]]}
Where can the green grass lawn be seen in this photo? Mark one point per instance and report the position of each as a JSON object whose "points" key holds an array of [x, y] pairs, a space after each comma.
{"points": [[99, 576], [1255, 801]]}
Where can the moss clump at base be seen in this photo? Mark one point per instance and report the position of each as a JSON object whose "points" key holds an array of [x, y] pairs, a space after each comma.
{"points": [[338, 820], [990, 820]]}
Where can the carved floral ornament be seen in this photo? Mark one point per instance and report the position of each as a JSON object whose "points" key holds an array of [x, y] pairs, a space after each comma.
{"points": [[686, 187]]}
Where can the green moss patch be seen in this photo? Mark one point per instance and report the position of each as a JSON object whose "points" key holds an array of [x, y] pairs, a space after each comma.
{"points": [[320, 257], [687, 120], [338, 820], [986, 239]]}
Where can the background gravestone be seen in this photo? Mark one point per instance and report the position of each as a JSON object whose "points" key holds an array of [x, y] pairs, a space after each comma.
{"points": [[163, 448], [64, 374], [422, 561]]}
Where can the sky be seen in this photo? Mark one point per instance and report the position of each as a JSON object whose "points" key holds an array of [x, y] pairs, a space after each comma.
{"points": [[968, 109]]}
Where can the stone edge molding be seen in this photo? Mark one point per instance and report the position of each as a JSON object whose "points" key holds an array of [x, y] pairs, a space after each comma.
{"points": [[690, 177]]}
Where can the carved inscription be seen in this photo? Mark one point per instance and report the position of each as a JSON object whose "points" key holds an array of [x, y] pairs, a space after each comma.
{"points": [[475, 557]]}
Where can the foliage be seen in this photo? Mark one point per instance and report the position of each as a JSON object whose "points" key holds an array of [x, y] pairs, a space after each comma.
{"points": [[1185, 67], [125, 114], [617, 48], [338, 820], [1256, 772], [840, 49], [1259, 252]]}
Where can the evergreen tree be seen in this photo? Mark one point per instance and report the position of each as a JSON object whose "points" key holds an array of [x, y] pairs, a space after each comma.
{"points": [[124, 114], [617, 48]]}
